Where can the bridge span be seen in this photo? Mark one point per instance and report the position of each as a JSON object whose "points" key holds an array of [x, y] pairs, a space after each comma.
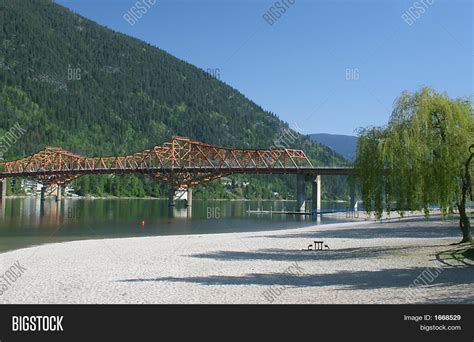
{"points": [[180, 162]]}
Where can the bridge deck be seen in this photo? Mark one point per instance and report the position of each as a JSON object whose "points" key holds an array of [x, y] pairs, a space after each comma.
{"points": [[303, 170], [178, 161]]}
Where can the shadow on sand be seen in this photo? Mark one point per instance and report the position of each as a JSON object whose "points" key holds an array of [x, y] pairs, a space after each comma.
{"points": [[411, 229], [392, 278], [357, 280]]}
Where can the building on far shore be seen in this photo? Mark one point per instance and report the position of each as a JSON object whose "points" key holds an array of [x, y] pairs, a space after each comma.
{"points": [[30, 187], [33, 188]]}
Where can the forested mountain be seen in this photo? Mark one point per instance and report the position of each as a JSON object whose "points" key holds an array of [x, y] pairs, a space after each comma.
{"points": [[73, 83]]}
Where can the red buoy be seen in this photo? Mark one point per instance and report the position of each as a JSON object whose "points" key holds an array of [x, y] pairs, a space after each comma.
{"points": [[142, 222]]}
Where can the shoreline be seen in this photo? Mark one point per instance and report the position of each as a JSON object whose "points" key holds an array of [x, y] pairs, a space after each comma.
{"points": [[333, 216], [337, 218], [286, 230], [368, 262], [163, 198]]}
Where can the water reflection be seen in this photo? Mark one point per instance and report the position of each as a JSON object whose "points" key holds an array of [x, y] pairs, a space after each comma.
{"points": [[2, 209], [30, 221]]}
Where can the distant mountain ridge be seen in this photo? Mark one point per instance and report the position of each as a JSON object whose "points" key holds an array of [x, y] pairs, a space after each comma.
{"points": [[345, 145]]}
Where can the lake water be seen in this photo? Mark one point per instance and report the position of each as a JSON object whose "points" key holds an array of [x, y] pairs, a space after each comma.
{"points": [[28, 221]]}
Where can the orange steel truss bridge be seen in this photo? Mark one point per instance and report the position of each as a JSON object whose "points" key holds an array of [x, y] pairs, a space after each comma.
{"points": [[181, 162]]}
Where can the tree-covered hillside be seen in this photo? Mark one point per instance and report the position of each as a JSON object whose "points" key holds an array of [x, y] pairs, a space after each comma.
{"points": [[73, 83]]}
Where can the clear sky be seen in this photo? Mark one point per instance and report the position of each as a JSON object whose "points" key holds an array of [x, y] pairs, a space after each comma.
{"points": [[327, 65]]}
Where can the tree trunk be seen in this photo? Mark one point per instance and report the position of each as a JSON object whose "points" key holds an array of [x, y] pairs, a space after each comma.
{"points": [[465, 224], [464, 221]]}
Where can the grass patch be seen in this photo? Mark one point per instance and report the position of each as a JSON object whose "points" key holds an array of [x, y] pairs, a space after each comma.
{"points": [[468, 253], [464, 254]]}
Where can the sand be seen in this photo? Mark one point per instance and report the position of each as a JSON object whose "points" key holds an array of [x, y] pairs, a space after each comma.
{"points": [[368, 262]]}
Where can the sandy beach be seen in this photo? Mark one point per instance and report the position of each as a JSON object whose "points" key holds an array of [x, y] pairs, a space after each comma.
{"points": [[367, 262]]}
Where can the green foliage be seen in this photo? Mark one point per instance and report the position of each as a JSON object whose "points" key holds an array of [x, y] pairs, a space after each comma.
{"points": [[116, 185], [418, 159], [17, 187], [130, 96], [8, 186]]}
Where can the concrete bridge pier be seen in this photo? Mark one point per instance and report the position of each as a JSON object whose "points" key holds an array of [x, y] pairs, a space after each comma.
{"points": [[2, 210], [59, 193], [171, 193], [300, 192], [189, 199], [316, 194], [3, 189], [171, 210], [43, 193], [353, 197]]}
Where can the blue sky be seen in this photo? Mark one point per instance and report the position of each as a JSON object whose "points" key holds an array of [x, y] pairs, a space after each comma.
{"points": [[297, 67]]}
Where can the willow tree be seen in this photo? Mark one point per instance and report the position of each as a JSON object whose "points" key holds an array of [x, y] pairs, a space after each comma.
{"points": [[421, 158]]}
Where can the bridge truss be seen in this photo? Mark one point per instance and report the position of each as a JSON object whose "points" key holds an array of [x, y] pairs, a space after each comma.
{"points": [[179, 161]]}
